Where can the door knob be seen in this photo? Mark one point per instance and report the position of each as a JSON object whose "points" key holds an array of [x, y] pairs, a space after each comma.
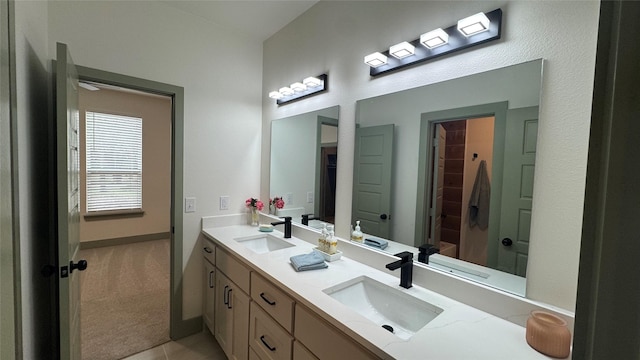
{"points": [[80, 265], [383, 216], [507, 242]]}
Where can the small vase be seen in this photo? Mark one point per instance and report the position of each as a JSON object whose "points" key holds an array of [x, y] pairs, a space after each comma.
{"points": [[548, 334], [253, 216]]}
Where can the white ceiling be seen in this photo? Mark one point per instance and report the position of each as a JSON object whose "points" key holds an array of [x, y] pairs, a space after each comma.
{"points": [[257, 18]]}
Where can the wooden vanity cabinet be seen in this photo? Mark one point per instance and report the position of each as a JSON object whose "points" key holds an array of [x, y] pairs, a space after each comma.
{"points": [[209, 278], [323, 340], [302, 353], [267, 338], [267, 324], [231, 328]]}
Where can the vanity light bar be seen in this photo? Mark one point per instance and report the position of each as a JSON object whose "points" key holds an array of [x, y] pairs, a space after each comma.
{"points": [[474, 24], [470, 31], [402, 50], [376, 59], [309, 86], [298, 87], [312, 81], [434, 38]]}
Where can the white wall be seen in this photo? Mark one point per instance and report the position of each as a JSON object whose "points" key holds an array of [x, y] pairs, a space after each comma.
{"points": [[218, 70], [334, 37]]}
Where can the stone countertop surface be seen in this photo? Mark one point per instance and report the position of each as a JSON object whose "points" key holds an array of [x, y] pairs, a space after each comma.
{"points": [[459, 332]]}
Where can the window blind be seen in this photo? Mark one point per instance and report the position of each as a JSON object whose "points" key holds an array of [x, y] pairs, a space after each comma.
{"points": [[114, 162]]}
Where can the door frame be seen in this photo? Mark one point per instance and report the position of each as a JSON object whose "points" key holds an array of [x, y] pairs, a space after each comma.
{"points": [[178, 327], [10, 295], [425, 169]]}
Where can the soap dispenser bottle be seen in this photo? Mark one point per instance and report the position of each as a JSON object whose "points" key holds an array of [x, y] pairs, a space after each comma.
{"points": [[356, 235], [332, 241], [322, 240]]}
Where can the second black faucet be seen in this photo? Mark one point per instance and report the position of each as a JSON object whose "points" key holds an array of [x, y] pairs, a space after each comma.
{"points": [[287, 226]]}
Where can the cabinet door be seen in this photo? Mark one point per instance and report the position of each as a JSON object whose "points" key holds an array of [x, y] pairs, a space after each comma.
{"points": [[209, 294], [223, 316], [302, 353], [324, 340], [240, 332]]}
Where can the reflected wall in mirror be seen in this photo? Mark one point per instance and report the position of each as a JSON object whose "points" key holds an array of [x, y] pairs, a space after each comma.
{"points": [[304, 152], [462, 164]]}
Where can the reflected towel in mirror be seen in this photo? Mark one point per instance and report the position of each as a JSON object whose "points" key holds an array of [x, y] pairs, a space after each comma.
{"points": [[376, 243], [479, 200]]}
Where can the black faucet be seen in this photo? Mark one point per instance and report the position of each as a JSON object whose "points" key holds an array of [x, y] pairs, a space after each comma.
{"points": [[287, 226], [425, 251], [406, 268], [307, 217]]}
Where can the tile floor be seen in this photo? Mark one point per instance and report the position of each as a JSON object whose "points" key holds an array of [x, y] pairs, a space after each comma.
{"points": [[201, 346]]}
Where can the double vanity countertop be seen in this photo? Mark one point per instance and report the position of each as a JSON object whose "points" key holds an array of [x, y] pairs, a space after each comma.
{"points": [[458, 332]]}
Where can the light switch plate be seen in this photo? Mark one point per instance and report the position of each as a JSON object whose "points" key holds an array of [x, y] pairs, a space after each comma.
{"points": [[310, 197], [189, 204], [224, 202], [288, 198]]}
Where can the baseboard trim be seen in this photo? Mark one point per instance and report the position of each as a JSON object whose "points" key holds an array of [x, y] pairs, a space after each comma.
{"points": [[123, 240], [186, 327]]}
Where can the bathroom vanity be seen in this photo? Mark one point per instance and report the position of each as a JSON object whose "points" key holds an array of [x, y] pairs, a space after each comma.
{"points": [[264, 309]]}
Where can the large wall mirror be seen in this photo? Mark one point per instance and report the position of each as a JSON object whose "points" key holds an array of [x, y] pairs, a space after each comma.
{"points": [[451, 164], [304, 152]]}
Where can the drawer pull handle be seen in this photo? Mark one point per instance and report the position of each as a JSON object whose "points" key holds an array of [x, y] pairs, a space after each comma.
{"points": [[229, 300], [266, 344], [211, 282], [267, 300], [226, 295], [207, 250]]}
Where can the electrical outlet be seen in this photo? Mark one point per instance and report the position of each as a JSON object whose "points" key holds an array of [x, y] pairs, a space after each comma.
{"points": [[310, 197], [189, 204], [224, 202], [288, 198]]}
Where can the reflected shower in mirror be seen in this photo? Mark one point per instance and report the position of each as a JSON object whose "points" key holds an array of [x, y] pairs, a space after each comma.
{"points": [[304, 152], [460, 160]]}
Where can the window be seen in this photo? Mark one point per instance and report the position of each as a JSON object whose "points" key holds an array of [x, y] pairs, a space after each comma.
{"points": [[114, 162]]}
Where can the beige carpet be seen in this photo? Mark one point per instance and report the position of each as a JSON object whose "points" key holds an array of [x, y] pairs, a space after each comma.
{"points": [[124, 299]]}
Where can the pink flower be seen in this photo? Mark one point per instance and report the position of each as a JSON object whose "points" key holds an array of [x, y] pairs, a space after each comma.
{"points": [[255, 203], [279, 203]]}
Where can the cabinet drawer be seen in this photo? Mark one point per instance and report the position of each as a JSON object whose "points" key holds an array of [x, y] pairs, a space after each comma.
{"points": [[273, 300], [268, 339], [209, 250], [253, 355], [234, 270], [302, 353], [315, 333]]}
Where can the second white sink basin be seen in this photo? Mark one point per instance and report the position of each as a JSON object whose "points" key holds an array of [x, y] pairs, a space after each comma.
{"points": [[263, 243], [391, 308]]}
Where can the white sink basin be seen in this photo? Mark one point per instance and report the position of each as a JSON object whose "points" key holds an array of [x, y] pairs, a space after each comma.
{"points": [[384, 305], [263, 243]]}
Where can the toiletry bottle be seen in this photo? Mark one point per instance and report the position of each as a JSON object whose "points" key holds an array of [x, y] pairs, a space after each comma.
{"points": [[356, 235], [322, 240], [332, 241]]}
